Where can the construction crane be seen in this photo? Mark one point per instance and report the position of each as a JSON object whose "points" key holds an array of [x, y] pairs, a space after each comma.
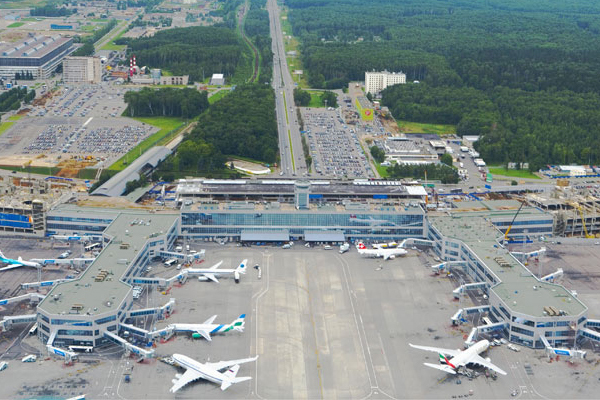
{"points": [[512, 222], [578, 207]]}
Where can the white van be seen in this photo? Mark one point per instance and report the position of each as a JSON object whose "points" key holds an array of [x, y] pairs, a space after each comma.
{"points": [[170, 262]]}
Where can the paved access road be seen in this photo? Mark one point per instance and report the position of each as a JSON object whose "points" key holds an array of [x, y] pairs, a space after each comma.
{"points": [[290, 144]]}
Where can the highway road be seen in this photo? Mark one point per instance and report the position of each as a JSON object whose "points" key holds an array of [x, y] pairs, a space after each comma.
{"points": [[290, 143]]}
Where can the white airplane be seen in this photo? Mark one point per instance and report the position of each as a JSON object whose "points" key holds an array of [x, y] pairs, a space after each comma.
{"points": [[213, 272], [205, 329], [460, 358], [17, 263], [210, 371], [387, 254]]}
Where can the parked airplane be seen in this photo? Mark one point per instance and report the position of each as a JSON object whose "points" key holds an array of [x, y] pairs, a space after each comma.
{"points": [[387, 254], [460, 358], [16, 263], [207, 328], [213, 272], [210, 371]]}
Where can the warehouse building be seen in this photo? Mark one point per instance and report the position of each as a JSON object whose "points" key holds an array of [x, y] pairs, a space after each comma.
{"points": [[39, 55]]}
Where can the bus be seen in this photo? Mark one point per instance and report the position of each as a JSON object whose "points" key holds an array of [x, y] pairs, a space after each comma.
{"points": [[81, 349], [92, 246], [33, 329]]}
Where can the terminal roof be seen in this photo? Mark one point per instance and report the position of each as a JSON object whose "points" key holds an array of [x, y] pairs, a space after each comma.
{"points": [[517, 282], [129, 232]]}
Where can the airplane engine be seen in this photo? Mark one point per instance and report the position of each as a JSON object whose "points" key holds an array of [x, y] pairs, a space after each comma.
{"points": [[488, 359], [392, 257]]}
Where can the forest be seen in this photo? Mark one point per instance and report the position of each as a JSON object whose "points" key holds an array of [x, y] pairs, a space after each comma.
{"points": [[11, 99], [51, 10], [166, 102], [256, 27], [521, 73], [198, 51], [240, 124]]}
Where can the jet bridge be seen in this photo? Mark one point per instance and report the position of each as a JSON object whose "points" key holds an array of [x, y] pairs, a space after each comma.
{"points": [[8, 321], [167, 309], [143, 353], [483, 329], [469, 286], [553, 276], [526, 256], [31, 285], [457, 318], [32, 297], [78, 262], [552, 351]]}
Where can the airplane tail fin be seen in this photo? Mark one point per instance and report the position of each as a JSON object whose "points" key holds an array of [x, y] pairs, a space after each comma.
{"points": [[239, 323], [242, 267], [229, 377], [1, 254], [361, 246]]}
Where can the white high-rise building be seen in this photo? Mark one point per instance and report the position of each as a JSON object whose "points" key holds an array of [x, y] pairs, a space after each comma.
{"points": [[82, 70], [375, 82]]}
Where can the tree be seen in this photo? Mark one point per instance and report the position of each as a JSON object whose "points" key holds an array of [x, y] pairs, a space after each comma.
{"points": [[301, 97], [446, 159], [377, 153], [329, 99]]}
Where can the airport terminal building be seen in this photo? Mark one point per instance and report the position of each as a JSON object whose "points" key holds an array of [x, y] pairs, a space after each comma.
{"points": [[80, 312], [531, 312], [529, 307]]}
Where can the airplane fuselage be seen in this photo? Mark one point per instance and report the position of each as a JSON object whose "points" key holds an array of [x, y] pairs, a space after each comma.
{"points": [[465, 355], [205, 372]]}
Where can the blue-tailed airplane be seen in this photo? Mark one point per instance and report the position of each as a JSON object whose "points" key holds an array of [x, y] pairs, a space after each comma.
{"points": [[17, 263]]}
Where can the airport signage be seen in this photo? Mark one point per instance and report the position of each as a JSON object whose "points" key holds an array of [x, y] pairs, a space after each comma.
{"points": [[60, 353], [562, 352], [47, 283]]}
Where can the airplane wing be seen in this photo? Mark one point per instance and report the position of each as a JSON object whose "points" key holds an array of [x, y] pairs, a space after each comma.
{"points": [[212, 277], [210, 320], [226, 364], [446, 352], [485, 363], [217, 265], [11, 266], [204, 334], [181, 380], [441, 367]]}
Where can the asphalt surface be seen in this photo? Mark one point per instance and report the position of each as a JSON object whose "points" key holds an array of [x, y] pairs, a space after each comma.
{"points": [[324, 325], [290, 143]]}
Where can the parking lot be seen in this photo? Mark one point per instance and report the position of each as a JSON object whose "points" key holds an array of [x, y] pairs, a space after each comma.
{"points": [[334, 146], [82, 122]]}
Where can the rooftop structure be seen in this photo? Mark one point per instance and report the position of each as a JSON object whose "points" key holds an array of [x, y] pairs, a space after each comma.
{"points": [[115, 186], [217, 79]]}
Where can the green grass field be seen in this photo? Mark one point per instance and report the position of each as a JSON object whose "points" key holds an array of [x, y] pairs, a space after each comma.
{"points": [[5, 126], [513, 173], [169, 126], [218, 96], [111, 44], [315, 99], [292, 44], [417, 127], [16, 24], [15, 117], [382, 170]]}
